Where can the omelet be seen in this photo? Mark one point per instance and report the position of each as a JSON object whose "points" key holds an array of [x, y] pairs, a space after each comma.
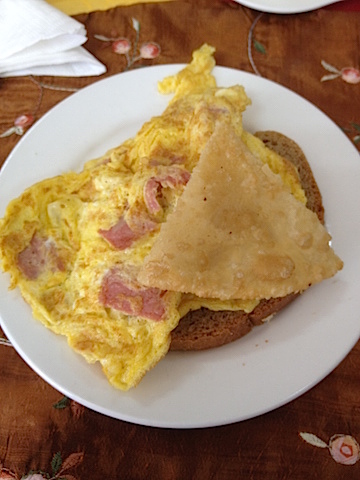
{"points": [[74, 244]]}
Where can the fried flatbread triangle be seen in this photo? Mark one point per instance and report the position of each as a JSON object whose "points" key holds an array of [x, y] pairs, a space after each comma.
{"points": [[238, 232]]}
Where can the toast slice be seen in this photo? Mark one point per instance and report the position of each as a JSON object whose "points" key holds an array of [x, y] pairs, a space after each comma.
{"points": [[203, 329]]}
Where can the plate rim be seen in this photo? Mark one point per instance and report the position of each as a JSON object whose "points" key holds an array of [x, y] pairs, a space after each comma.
{"points": [[130, 418], [283, 7]]}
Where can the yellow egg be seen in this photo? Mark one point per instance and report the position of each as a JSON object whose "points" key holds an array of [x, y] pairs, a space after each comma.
{"points": [[73, 243]]}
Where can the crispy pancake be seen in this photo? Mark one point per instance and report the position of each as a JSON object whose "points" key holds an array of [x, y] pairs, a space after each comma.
{"points": [[203, 329]]}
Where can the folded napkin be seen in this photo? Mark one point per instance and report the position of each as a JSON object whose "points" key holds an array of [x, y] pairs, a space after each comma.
{"points": [[74, 7], [38, 39]]}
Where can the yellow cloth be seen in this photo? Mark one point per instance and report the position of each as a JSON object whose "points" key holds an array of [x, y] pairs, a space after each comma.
{"points": [[74, 7]]}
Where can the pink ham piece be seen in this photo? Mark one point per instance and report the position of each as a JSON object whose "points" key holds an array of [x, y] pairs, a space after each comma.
{"points": [[119, 235], [121, 292], [40, 255], [173, 177], [123, 234]]}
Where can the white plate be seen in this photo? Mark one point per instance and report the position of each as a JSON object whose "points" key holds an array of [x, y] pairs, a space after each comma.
{"points": [[269, 367], [285, 6]]}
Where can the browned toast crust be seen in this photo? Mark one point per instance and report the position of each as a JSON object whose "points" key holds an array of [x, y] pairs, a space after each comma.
{"points": [[291, 151], [203, 329]]}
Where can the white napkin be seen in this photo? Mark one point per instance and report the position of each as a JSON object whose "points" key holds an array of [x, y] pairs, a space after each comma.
{"points": [[38, 39]]}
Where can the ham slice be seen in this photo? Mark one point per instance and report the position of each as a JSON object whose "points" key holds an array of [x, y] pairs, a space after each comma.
{"points": [[40, 255], [173, 177], [124, 233], [121, 292], [119, 235]]}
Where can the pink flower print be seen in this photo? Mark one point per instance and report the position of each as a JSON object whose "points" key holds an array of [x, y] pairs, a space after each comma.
{"points": [[131, 50], [150, 50], [59, 469], [24, 120], [344, 449], [20, 124], [348, 74], [121, 46]]}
